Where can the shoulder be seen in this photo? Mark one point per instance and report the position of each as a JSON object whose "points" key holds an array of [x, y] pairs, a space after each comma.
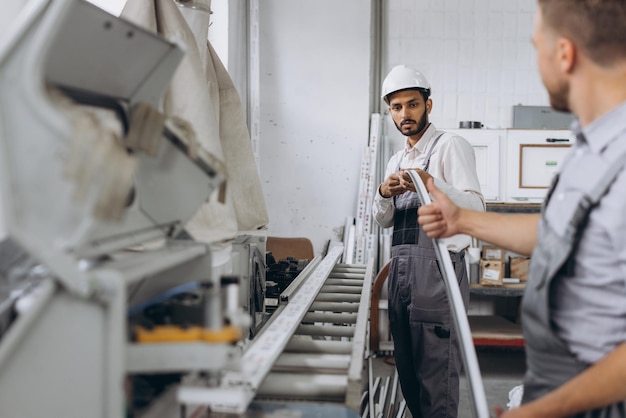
{"points": [[453, 140]]}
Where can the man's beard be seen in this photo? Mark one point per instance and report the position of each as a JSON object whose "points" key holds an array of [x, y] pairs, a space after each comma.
{"points": [[420, 126], [559, 97]]}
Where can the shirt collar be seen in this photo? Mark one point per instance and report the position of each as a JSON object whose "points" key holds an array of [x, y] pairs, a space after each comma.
{"points": [[603, 130], [422, 145]]}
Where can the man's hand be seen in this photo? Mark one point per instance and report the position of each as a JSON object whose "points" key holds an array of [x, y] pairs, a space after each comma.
{"points": [[409, 182], [393, 185], [440, 218]]}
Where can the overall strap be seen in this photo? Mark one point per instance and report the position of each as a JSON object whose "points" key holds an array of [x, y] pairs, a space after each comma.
{"points": [[589, 201], [430, 151]]}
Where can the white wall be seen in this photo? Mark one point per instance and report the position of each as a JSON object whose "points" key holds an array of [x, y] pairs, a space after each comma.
{"points": [[477, 55], [314, 87]]}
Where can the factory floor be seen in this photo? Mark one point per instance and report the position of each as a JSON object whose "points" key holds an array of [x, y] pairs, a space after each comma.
{"points": [[502, 369]]}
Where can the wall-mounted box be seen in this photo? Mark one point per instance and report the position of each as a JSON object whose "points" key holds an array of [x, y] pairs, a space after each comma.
{"points": [[533, 157], [487, 150], [540, 117]]}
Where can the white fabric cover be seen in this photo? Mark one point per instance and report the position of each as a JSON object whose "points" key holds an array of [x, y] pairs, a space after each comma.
{"points": [[209, 101]]}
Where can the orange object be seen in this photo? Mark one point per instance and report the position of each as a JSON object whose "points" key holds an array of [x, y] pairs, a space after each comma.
{"points": [[177, 334]]}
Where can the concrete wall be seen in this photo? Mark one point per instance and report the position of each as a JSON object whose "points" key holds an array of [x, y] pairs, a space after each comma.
{"points": [[314, 112]]}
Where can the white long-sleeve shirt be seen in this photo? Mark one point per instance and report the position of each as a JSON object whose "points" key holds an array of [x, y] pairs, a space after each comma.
{"points": [[453, 167]]}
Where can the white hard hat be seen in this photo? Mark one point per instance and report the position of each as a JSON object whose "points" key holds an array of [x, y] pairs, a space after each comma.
{"points": [[402, 77]]}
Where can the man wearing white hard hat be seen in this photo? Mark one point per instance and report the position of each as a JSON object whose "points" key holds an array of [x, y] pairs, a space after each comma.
{"points": [[425, 344]]}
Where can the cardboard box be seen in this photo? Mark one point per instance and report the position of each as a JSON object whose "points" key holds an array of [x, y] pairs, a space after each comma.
{"points": [[519, 267], [491, 252], [492, 272]]}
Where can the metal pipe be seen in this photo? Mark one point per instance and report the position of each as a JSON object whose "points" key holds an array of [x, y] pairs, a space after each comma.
{"points": [[351, 267], [330, 317], [341, 289], [334, 306], [334, 297], [342, 275], [344, 282], [301, 386], [213, 314], [314, 363], [304, 344], [325, 330]]}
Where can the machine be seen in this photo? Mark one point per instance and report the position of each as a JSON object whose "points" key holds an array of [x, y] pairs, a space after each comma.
{"points": [[90, 181], [99, 281]]}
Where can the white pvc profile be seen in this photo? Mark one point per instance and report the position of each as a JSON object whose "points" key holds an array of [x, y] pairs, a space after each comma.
{"points": [[478, 399]]}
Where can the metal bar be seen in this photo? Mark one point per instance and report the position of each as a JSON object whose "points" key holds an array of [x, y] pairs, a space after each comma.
{"points": [[370, 384], [394, 394], [341, 289], [344, 282], [316, 363], [302, 344], [359, 340], [457, 307], [295, 284], [366, 411], [330, 318], [380, 412], [343, 275], [334, 306], [335, 297], [353, 267], [401, 409], [325, 331], [372, 395], [300, 386]]}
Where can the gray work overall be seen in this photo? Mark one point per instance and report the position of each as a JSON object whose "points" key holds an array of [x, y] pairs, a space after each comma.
{"points": [[549, 362], [425, 343]]}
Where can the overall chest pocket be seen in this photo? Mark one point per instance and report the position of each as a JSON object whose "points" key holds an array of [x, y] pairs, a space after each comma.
{"points": [[561, 212]]}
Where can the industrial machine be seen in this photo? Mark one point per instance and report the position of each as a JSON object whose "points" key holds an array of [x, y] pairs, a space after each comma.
{"points": [[99, 282], [90, 182]]}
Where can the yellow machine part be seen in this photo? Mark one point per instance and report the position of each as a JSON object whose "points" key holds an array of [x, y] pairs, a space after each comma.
{"points": [[177, 333]]}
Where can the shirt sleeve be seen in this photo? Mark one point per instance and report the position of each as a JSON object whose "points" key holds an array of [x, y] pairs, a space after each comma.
{"points": [[382, 207], [458, 177]]}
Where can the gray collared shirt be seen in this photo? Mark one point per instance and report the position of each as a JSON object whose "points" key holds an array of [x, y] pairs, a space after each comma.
{"points": [[589, 307]]}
